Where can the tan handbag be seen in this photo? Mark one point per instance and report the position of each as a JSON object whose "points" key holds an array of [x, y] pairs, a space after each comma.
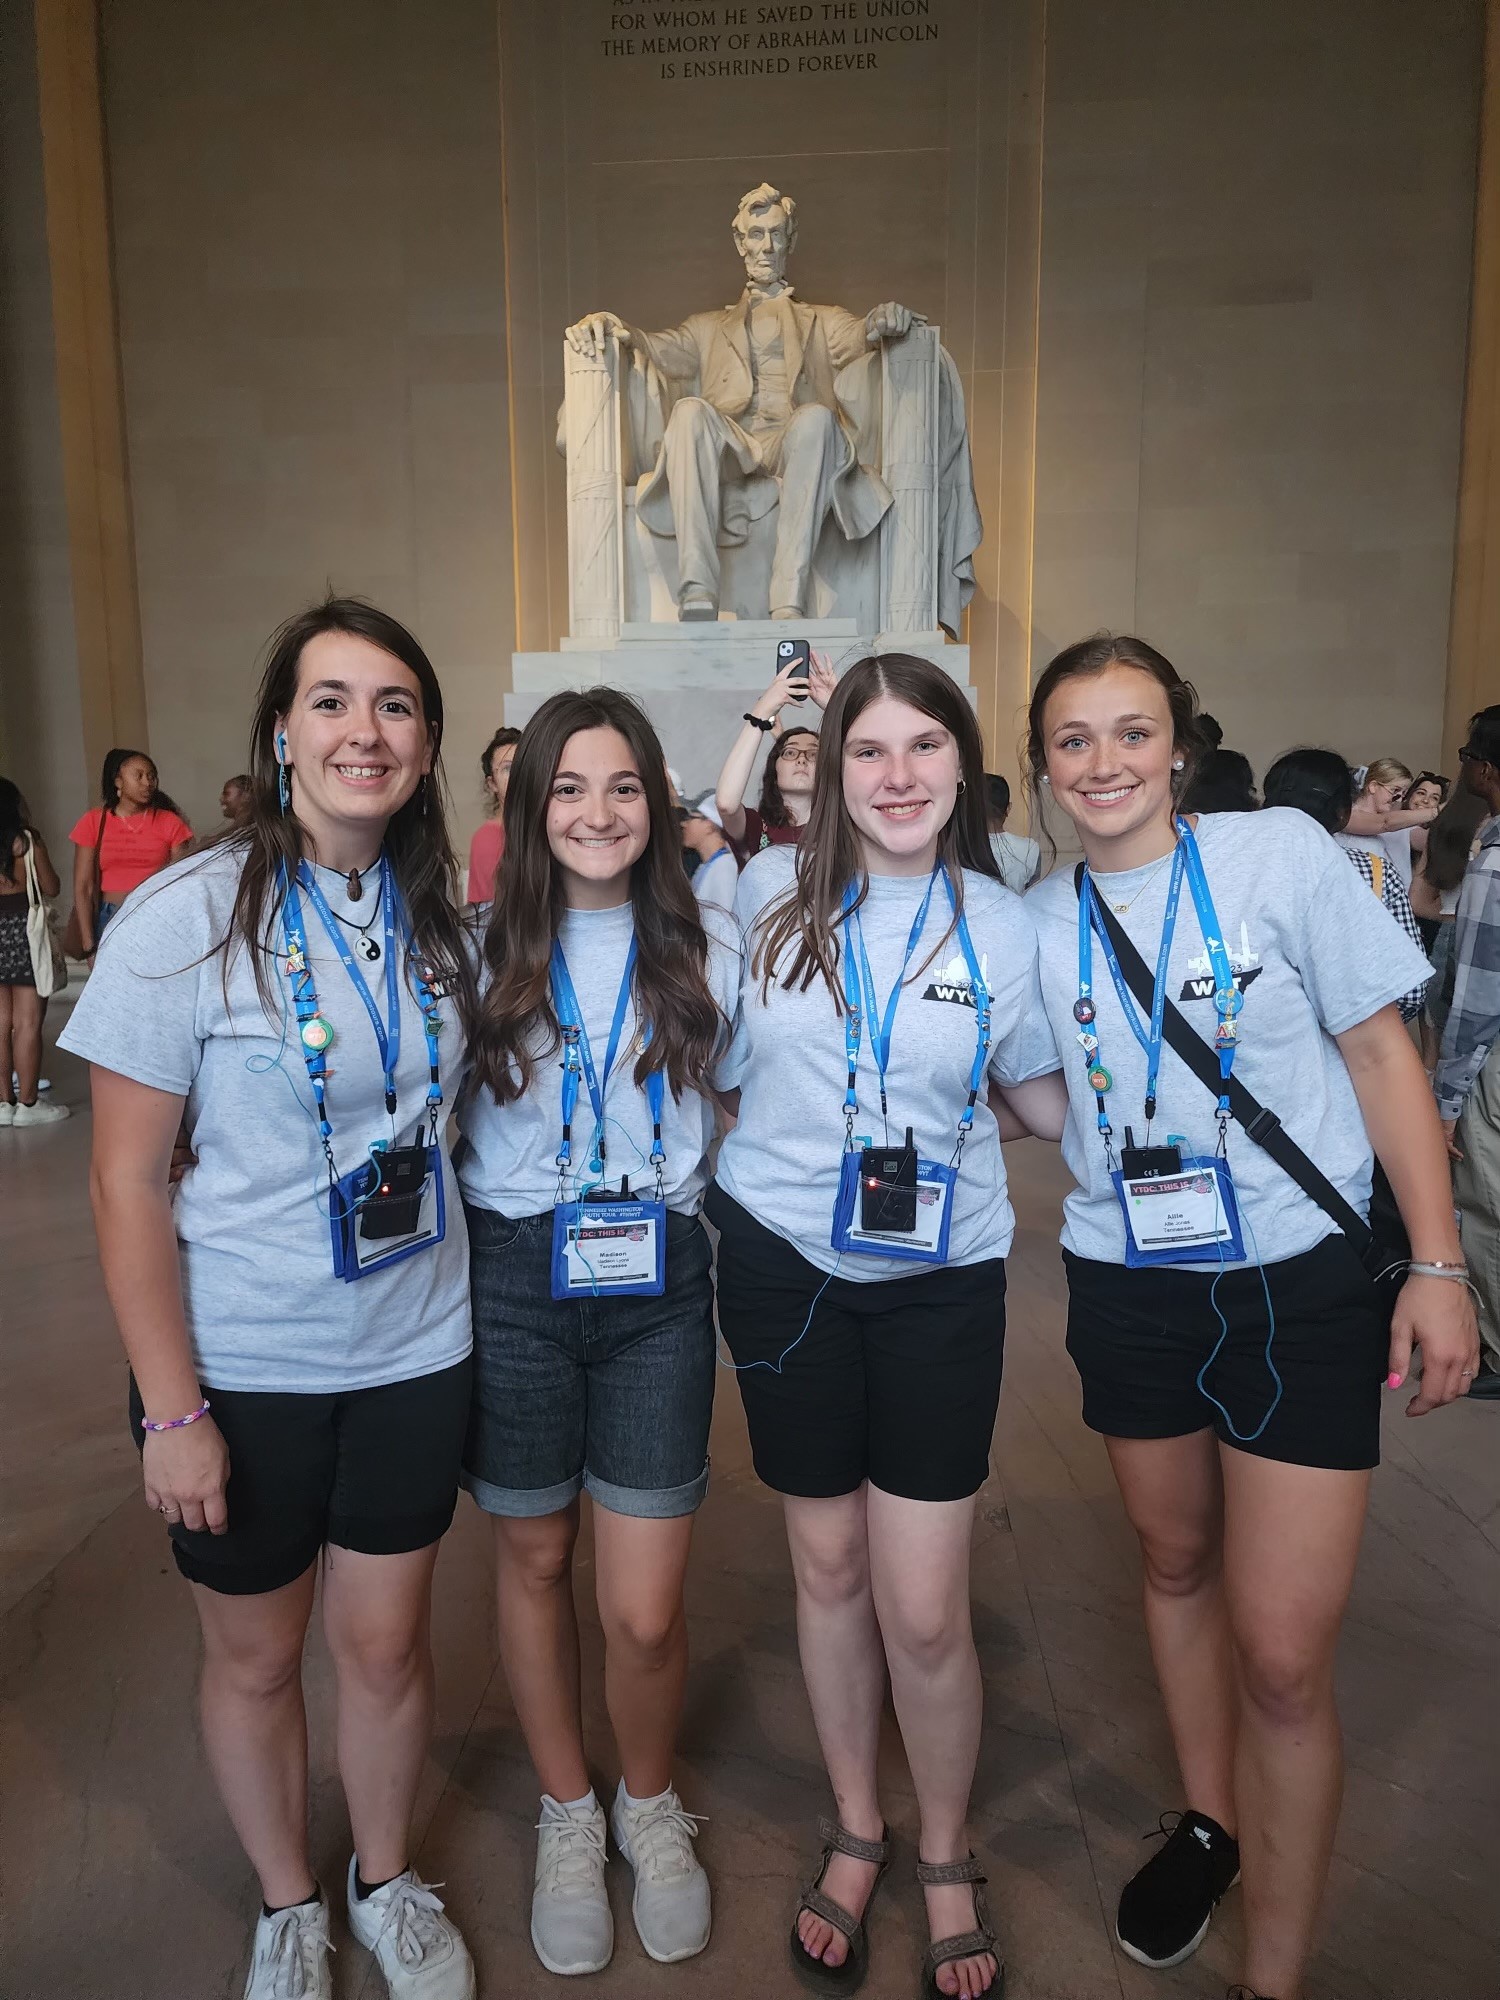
{"points": [[49, 969]]}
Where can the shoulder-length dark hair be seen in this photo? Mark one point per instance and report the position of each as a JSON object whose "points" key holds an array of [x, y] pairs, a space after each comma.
{"points": [[518, 1025], [109, 783], [773, 808], [417, 844], [1449, 838], [801, 933], [503, 737], [1317, 782], [1087, 657], [13, 823]]}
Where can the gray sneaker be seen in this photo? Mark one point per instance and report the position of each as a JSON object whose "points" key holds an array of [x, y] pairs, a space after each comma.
{"points": [[572, 1930], [671, 1904], [290, 1959]]}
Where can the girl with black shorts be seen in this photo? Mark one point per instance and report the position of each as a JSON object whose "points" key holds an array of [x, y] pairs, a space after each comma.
{"points": [[1230, 1343], [864, 1222], [586, 1135], [297, 1319]]}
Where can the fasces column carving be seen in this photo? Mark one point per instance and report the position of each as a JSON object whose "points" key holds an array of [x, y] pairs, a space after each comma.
{"points": [[909, 466], [596, 499]]}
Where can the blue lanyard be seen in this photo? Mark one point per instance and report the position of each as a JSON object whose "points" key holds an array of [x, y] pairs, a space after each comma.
{"points": [[578, 1062], [315, 1033], [1187, 863], [859, 980]]}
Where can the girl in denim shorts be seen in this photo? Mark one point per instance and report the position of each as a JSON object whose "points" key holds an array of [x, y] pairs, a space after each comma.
{"points": [[587, 1129]]}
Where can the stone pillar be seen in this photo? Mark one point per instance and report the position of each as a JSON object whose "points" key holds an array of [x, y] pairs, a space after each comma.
{"points": [[909, 465], [596, 498], [1474, 627]]}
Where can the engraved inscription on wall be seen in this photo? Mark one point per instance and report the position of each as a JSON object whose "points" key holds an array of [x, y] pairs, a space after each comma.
{"points": [[800, 37]]}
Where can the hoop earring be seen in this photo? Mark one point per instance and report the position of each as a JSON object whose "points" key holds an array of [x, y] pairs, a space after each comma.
{"points": [[961, 786]]}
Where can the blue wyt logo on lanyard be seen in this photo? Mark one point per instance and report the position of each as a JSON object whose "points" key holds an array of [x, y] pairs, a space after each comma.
{"points": [[890, 1203], [395, 1197], [603, 1245]]}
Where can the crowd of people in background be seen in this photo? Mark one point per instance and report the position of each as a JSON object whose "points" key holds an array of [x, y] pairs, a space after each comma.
{"points": [[725, 966]]}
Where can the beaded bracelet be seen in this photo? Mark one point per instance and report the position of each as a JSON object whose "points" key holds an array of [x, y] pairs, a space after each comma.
{"points": [[177, 1423]]}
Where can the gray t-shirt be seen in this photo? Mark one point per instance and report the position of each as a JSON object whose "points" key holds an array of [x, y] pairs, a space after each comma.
{"points": [[264, 1309], [508, 1161], [1313, 952], [782, 1159]]}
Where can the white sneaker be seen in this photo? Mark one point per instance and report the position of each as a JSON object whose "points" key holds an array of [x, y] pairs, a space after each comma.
{"points": [[415, 1944], [7, 1111], [671, 1903], [290, 1960], [39, 1114], [572, 1930]]}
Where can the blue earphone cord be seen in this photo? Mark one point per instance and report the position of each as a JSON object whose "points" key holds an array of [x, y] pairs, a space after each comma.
{"points": [[1240, 1437]]}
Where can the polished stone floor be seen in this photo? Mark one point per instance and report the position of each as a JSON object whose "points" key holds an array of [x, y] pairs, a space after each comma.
{"points": [[119, 1879]]}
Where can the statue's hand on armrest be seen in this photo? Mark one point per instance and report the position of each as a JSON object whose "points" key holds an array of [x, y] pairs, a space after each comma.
{"points": [[890, 322], [590, 335]]}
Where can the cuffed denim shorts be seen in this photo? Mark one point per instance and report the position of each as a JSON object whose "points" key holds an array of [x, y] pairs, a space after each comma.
{"points": [[611, 1394]]}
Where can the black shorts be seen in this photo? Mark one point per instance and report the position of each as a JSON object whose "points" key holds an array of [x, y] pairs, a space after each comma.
{"points": [[1139, 1340], [373, 1470], [896, 1382]]}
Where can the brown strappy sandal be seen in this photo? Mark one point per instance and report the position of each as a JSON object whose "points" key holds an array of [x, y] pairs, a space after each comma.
{"points": [[966, 1944], [850, 1976]]}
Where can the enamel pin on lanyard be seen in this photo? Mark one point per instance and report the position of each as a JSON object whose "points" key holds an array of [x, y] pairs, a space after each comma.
{"points": [[603, 1245], [891, 1203], [1177, 1208], [392, 1206]]}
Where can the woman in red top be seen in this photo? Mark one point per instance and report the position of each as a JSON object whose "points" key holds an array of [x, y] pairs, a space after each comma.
{"points": [[786, 789], [488, 844], [135, 833]]}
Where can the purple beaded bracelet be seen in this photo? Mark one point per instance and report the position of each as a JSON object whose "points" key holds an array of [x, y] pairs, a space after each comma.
{"points": [[177, 1423]]}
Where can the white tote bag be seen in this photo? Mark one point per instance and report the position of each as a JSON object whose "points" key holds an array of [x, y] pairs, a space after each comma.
{"points": [[48, 967]]}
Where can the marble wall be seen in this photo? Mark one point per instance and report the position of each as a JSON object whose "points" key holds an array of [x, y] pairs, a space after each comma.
{"points": [[1255, 273], [309, 258], [1205, 272]]}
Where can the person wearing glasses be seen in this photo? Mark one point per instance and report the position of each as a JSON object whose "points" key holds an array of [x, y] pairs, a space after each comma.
{"points": [[1467, 1080], [787, 787]]}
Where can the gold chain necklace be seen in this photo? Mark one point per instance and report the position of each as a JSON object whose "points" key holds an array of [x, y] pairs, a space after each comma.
{"points": [[1123, 909]]}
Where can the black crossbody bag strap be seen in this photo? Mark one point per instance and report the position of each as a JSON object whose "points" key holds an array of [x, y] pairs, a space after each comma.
{"points": [[1258, 1122]]}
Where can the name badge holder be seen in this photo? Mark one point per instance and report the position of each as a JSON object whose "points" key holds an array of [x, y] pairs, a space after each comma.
{"points": [[927, 1241], [603, 1246], [392, 1206], [1180, 1208]]}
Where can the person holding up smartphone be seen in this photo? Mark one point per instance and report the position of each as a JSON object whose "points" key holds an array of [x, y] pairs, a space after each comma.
{"points": [[787, 787]]}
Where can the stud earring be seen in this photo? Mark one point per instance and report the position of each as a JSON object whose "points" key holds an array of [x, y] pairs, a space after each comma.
{"points": [[1045, 779], [1179, 763]]}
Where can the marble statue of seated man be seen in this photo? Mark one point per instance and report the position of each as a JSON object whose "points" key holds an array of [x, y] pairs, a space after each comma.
{"points": [[747, 389]]}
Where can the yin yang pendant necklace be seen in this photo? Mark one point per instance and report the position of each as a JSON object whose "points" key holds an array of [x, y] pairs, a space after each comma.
{"points": [[365, 946]]}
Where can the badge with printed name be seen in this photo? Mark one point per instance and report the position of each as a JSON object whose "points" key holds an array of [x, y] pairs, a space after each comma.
{"points": [[1190, 1217], [606, 1249]]}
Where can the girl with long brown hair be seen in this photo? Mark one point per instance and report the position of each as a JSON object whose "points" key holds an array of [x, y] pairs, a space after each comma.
{"points": [[297, 1319], [587, 1130], [1222, 1315], [864, 1221]]}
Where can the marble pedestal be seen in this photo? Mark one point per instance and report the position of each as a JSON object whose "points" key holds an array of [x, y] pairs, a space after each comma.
{"points": [[696, 680]]}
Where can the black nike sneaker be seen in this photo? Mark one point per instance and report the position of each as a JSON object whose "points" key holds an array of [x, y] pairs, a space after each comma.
{"points": [[1165, 1909]]}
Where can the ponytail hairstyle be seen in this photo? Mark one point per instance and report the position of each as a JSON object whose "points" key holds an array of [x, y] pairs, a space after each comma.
{"points": [[518, 1026], [417, 845], [1088, 657], [773, 808], [803, 925]]}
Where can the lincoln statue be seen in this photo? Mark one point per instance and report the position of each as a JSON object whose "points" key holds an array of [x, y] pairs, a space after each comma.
{"points": [[755, 388]]}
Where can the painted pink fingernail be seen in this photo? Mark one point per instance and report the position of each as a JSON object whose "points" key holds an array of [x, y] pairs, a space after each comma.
{"points": [[1394, 1381]]}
